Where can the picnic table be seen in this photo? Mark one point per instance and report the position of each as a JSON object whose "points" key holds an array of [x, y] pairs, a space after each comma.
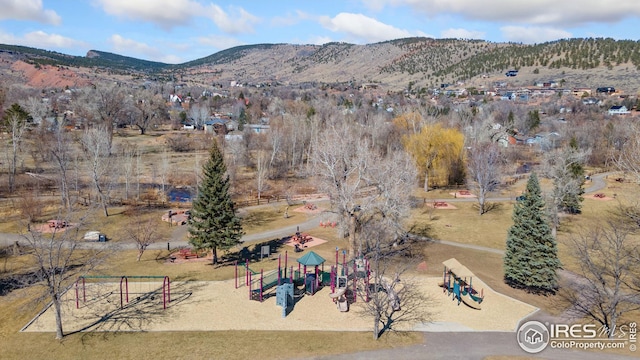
{"points": [[57, 224], [301, 238]]}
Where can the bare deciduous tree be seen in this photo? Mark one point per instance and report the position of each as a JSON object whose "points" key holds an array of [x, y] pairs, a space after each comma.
{"points": [[199, 114], [96, 145], [58, 261], [485, 169], [165, 168], [103, 106], [150, 110], [565, 167], [130, 153], [363, 187], [262, 170], [30, 207], [142, 232], [37, 108], [393, 298], [608, 282], [627, 155], [61, 150]]}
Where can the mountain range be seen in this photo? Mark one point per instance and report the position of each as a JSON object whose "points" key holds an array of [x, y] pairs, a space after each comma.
{"points": [[417, 63]]}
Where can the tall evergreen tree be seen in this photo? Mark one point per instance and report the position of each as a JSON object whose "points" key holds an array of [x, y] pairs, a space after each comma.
{"points": [[531, 258], [213, 222]]}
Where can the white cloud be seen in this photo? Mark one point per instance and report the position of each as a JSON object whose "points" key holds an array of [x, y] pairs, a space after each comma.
{"points": [[168, 14], [42, 40], [361, 27], [164, 13], [532, 12], [319, 40], [533, 34], [462, 34], [131, 47], [219, 42], [238, 21], [28, 10], [170, 59]]}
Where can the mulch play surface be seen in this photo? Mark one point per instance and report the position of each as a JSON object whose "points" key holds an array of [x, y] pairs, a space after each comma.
{"points": [[311, 242], [441, 205]]}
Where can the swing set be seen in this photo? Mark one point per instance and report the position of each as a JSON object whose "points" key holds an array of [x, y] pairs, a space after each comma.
{"points": [[139, 288]]}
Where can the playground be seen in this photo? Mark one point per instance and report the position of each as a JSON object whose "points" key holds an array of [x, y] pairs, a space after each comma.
{"points": [[221, 305]]}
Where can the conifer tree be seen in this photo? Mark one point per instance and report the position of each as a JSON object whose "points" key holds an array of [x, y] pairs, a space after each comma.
{"points": [[531, 257], [213, 222]]}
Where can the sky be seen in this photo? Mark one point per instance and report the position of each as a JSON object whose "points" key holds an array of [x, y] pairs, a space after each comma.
{"points": [[177, 31]]}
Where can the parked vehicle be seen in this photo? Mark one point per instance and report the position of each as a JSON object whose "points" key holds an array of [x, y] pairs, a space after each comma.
{"points": [[512, 73], [95, 236], [606, 89]]}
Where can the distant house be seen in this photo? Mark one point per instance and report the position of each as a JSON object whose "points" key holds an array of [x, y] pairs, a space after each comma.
{"points": [[215, 125], [618, 110], [581, 91], [258, 128], [590, 101], [507, 140], [544, 140]]}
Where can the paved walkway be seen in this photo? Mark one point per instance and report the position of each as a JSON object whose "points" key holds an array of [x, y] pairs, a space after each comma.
{"points": [[469, 345]]}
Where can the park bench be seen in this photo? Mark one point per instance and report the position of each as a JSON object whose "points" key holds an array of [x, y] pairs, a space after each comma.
{"points": [[187, 253], [301, 238]]}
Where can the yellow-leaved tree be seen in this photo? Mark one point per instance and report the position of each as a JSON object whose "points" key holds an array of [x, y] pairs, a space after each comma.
{"points": [[439, 154]]}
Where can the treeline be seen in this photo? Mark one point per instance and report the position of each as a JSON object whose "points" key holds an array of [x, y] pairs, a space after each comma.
{"points": [[582, 54]]}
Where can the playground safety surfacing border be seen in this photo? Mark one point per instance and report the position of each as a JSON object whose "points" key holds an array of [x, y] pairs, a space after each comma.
{"points": [[308, 244], [228, 308]]}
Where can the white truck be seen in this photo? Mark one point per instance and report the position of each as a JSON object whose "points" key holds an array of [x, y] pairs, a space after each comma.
{"points": [[95, 236]]}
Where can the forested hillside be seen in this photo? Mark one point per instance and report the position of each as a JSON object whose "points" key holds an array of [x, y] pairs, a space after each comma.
{"points": [[425, 62]]}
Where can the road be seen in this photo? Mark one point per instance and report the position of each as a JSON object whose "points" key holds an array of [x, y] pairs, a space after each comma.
{"points": [[469, 345]]}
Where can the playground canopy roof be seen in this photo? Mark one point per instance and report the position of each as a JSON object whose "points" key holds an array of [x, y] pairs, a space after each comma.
{"points": [[311, 259], [457, 269]]}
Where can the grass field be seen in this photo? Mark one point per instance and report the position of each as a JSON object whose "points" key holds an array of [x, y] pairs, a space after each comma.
{"points": [[462, 224]]}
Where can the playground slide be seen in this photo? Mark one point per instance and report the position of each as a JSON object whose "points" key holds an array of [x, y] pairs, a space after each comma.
{"points": [[341, 302], [338, 293], [469, 301], [343, 305]]}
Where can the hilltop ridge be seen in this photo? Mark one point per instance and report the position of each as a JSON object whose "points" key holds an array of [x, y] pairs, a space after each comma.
{"points": [[395, 64]]}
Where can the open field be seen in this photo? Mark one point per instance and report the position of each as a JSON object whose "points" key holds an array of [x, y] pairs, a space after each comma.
{"points": [[487, 230]]}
